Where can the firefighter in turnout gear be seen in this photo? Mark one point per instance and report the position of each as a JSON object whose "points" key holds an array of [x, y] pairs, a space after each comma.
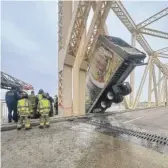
{"points": [[51, 104], [23, 108], [44, 109], [40, 94], [39, 97], [56, 105], [33, 107]]}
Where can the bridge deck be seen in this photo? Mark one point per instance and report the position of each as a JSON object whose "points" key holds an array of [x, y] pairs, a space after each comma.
{"points": [[80, 144], [153, 120]]}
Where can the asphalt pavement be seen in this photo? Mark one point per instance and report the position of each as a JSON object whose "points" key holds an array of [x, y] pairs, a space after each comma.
{"points": [[78, 144]]}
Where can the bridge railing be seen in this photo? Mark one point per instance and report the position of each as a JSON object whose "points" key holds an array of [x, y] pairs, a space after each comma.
{"points": [[4, 111]]}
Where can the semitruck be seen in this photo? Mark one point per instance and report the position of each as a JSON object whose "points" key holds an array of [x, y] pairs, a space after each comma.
{"points": [[112, 62]]}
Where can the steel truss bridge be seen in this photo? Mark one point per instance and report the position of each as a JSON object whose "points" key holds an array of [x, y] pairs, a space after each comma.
{"points": [[76, 46], [8, 82]]}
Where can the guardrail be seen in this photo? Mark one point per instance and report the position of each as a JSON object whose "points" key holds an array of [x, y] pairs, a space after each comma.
{"points": [[4, 111]]}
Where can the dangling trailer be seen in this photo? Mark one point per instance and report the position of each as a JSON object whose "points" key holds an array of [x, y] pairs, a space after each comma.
{"points": [[112, 62]]}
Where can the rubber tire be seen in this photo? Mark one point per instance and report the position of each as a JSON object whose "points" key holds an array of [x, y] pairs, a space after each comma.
{"points": [[125, 89], [118, 99], [107, 96]]}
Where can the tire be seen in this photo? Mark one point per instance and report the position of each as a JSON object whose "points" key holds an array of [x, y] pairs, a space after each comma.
{"points": [[98, 111], [110, 95], [125, 89], [118, 99], [104, 104]]}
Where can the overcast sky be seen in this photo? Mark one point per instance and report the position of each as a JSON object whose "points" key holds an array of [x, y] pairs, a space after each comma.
{"points": [[29, 39], [140, 11], [29, 43]]}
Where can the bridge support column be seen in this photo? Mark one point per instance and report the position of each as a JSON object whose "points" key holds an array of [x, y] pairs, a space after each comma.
{"points": [[154, 84], [79, 81], [163, 91], [159, 88], [65, 104], [132, 75], [166, 91], [79, 92], [76, 88], [142, 82], [82, 95], [65, 71], [150, 86]]}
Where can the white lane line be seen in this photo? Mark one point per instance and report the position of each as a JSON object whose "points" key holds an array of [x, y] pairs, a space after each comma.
{"points": [[133, 120]]}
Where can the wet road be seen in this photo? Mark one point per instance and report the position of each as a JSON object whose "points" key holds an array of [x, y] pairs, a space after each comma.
{"points": [[75, 145], [152, 120]]}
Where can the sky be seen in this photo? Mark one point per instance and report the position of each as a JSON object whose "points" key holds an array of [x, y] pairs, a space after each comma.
{"points": [[29, 39], [140, 11], [29, 43]]}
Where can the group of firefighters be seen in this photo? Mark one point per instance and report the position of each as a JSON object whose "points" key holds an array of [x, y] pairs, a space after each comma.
{"points": [[26, 106]]}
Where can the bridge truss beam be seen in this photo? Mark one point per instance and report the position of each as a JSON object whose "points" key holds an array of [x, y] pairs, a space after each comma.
{"points": [[153, 18], [8, 82], [154, 33], [161, 51], [126, 19], [85, 52], [80, 43]]}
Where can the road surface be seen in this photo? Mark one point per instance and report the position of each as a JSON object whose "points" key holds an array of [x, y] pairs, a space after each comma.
{"points": [[78, 144]]}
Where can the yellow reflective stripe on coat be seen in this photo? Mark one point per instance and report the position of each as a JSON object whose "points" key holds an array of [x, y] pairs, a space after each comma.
{"points": [[23, 106], [44, 106]]}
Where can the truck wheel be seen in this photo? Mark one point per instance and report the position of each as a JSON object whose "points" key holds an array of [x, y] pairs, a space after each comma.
{"points": [[118, 99], [110, 96], [98, 110], [103, 104], [125, 89]]}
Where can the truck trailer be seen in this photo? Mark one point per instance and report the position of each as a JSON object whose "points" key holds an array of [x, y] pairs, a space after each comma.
{"points": [[112, 62]]}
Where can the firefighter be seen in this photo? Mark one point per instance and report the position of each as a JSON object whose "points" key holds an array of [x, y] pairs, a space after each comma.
{"points": [[51, 104], [56, 105], [11, 99], [44, 109], [40, 94], [33, 101], [39, 97], [23, 108]]}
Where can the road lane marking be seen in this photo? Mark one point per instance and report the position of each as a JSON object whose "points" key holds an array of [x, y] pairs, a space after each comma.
{"points": [[133, 120]]}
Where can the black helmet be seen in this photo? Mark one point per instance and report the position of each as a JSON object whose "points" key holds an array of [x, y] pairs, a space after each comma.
{"points": [[45, 95], [41, 91], [24, 95]]}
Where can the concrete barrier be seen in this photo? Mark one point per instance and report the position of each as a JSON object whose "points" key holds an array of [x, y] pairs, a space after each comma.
{"points": [[35, 122]]}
